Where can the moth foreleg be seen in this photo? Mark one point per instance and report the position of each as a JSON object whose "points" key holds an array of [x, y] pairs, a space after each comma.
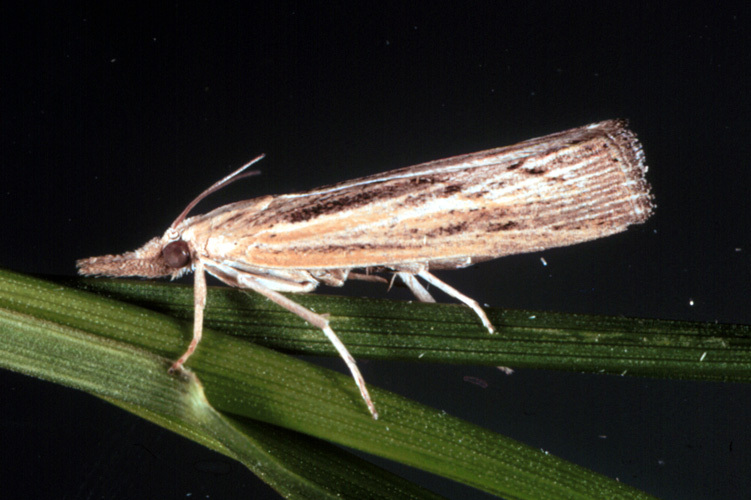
{"points": [[448, 289], [245, 280], [199, 304]]}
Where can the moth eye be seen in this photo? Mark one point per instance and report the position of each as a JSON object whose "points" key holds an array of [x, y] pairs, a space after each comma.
{"points": [[176, 254]]}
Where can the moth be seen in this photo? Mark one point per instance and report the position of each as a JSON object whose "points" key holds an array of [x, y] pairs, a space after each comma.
{"points": [[557, 190]]}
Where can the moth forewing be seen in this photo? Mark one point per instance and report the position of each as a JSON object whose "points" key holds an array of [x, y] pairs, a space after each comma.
{"points": [[552, 191], [579, 185]]}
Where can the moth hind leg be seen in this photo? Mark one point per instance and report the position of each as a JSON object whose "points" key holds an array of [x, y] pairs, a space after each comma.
{"points": [[410, 280]]}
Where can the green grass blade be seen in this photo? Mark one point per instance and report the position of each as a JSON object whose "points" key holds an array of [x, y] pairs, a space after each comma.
{"points": [[54, 332], [452, 333], [43, 334]]}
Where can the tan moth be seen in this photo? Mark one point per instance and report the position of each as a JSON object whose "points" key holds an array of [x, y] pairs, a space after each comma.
{"points": [[557, 190]]}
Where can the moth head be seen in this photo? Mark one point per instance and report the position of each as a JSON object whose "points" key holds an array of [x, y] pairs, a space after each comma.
{"points": [[158, 257], [169, 255]]}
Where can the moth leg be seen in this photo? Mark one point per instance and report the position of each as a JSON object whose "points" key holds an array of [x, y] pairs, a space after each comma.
{"points": [[236, 278], [448, 289], [321, 322], [199, 304], [417, 289], [367, 277]]}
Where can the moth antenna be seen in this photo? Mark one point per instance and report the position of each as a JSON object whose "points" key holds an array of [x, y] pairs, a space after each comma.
{"points": [[234, 176]]}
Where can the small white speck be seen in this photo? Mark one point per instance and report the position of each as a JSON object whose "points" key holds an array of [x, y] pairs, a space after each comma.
{"points": [[421, 355], [704, 355], [691, 302], [624, 372], [602, 436], [544, 262], [114, 59], [739, 249], [533, 317], [661, 462]]}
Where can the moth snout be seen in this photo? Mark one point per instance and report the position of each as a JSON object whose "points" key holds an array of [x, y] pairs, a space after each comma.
{"points": [[147, 262], [119, 265], [96, 265]]}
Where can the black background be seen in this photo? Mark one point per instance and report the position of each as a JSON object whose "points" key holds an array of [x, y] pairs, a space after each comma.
{"points": [[113, 119]]}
